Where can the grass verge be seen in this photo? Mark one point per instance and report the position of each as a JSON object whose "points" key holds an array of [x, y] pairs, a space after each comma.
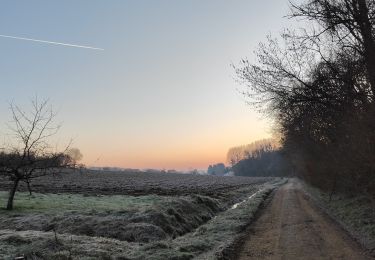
{"points": [[356, 214]]}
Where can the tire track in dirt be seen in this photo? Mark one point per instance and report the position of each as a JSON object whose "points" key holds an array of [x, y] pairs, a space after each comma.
{"points": [[292, 227]]}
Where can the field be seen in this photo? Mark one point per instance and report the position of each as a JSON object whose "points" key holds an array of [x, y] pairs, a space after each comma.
{"points": [[116, 215], [136, 183]]}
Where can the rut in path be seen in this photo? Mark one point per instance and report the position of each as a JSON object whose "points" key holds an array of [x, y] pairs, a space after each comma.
{"points": [[292, 227]]}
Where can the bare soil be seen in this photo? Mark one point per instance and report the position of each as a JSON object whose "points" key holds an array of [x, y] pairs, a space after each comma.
{"points": [[292, 227], [135, 183]]}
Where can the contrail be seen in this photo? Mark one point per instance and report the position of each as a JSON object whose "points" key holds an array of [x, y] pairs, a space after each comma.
{"points": [[50, 42]]}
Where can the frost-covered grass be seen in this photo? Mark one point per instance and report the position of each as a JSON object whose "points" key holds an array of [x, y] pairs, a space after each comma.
{"points": [[355, 213], [203, 243], [49, 203], [144, 227], [127, 218]]}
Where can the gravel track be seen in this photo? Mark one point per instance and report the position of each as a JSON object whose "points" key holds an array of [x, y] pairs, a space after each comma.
{"points": [[292, 227]]}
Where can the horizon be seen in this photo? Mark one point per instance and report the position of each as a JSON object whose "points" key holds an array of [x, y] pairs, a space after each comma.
{"points": [[160, 93]]}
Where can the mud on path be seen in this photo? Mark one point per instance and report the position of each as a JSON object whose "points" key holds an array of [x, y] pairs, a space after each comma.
{"points": [[292, 227]]}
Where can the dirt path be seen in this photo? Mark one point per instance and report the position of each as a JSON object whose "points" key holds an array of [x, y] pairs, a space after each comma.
{"points": [[291, 227]]}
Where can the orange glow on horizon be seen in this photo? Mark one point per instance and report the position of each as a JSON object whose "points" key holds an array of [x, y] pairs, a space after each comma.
{"points": [[196, 153]]}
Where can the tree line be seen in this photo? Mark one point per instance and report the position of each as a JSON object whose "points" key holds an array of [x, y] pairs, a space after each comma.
{"points": [[238, 153], [318, 83], [260, 158]]}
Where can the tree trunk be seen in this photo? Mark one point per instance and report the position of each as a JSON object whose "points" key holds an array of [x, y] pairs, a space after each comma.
{"points": [[29, 187], [333, 189], [11, 194], [365, 27]]}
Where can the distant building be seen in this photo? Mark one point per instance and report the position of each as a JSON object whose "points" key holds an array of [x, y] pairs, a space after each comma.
{"points": [[230, 173]]}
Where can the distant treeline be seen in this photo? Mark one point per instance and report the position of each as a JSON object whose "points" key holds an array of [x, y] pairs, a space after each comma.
{"points": [[260, 158], [319, 85], [219, 169], [271, 163]]}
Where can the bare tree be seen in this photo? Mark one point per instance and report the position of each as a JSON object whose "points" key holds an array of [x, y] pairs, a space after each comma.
{"points": [[234, 155], [76, 155], [30, 154], [347, 23]]}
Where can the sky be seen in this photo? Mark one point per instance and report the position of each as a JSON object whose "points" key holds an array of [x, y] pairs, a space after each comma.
{"points": [[162, 92]]}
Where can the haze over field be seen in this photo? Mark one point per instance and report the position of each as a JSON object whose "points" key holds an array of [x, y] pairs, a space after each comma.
{"points": [[160, 95]]}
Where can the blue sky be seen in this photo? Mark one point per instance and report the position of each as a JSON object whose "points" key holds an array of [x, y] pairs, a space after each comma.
{"points": [[162, 94]]}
